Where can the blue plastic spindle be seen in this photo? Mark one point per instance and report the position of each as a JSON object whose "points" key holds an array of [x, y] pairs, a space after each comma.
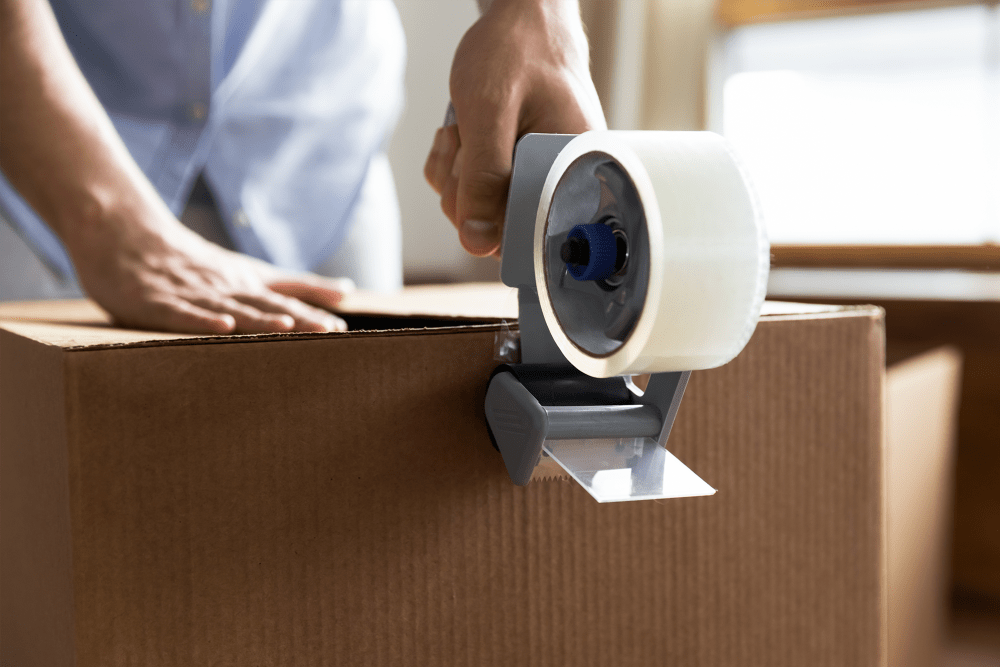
{"points": [[595, 260]]}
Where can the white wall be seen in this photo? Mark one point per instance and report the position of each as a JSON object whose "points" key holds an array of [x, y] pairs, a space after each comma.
{"points": [[431, 250]]}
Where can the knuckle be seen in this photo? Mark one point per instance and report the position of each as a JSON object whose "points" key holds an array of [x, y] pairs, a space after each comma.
{"points": [[449, 202], [450, 141], [430, 173]]}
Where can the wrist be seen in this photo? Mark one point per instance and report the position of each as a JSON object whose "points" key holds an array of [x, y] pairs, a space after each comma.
{"points": [[97, 215], [552, 28]]}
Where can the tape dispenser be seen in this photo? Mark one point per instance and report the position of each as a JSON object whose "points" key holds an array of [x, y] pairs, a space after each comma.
{"points": [[633, 253]]}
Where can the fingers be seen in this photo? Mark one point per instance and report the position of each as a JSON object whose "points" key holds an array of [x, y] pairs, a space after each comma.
{"points": [[176, 314], [431, 164], [488, 137], [269, 312], [314, 290], [438, 168], [449, 190], [306, 317], [248, 318], [281, 306]]}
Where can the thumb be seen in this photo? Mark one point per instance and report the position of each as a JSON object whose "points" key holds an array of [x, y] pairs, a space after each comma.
{"points": [[488, 147]]}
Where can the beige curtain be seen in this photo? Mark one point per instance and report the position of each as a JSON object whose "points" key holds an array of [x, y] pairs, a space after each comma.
{"points": [[649, 59]]}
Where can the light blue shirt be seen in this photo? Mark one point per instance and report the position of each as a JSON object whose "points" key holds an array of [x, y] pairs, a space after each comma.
{"points": [[281, 105]]}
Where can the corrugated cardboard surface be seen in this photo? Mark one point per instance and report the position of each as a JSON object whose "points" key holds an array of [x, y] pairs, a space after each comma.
{"points": [[36, 582], [332, 500], [973, 327], [921, 411]]}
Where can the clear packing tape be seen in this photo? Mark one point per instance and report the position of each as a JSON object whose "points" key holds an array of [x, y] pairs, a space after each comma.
{"points": [[695, 300], [507, 341]]}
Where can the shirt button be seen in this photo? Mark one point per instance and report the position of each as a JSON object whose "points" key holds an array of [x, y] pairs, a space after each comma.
{"points": [[240, 218], [197, 110], [201, 6]]}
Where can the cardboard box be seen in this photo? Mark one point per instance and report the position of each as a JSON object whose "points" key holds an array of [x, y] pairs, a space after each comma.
{"points": [[922, 392], [334, 500], [926, 310]]}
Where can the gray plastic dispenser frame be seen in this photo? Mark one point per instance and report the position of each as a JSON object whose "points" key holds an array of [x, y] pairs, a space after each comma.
{"points": [[544, 400]]}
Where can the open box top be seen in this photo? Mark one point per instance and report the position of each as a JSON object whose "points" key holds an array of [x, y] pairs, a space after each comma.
{"points": [[81, 325]]}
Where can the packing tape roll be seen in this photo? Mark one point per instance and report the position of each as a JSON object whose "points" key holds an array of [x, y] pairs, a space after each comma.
{"points": [[698, 256]]}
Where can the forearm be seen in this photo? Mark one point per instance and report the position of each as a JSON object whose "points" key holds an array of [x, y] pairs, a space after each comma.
{"points": [[59, 148]]}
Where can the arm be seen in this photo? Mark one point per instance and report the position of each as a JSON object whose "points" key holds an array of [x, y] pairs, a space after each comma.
{"points": [[523, 67], [62, 153]]}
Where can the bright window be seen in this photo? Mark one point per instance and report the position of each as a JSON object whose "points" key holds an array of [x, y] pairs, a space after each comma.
{"points": [[871, 129]]}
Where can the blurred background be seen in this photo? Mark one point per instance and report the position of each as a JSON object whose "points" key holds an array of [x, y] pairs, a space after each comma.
{"points": [[871, 130], [860, 122]]}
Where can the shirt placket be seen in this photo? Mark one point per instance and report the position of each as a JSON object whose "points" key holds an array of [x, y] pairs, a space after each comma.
{"points": [[237, 16], [194, 105]]}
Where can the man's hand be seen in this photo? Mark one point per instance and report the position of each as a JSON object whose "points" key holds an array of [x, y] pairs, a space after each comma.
{"points": [[157, 274], [60, 150], [522, 67]]}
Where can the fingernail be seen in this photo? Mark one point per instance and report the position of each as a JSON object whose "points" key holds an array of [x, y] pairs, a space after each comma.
{"points": [[228, 322], [286, 321], [478, 235], [335, 324]]}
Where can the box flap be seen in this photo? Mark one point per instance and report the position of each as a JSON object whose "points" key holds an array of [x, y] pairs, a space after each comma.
{"points": [[82, 324]]}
